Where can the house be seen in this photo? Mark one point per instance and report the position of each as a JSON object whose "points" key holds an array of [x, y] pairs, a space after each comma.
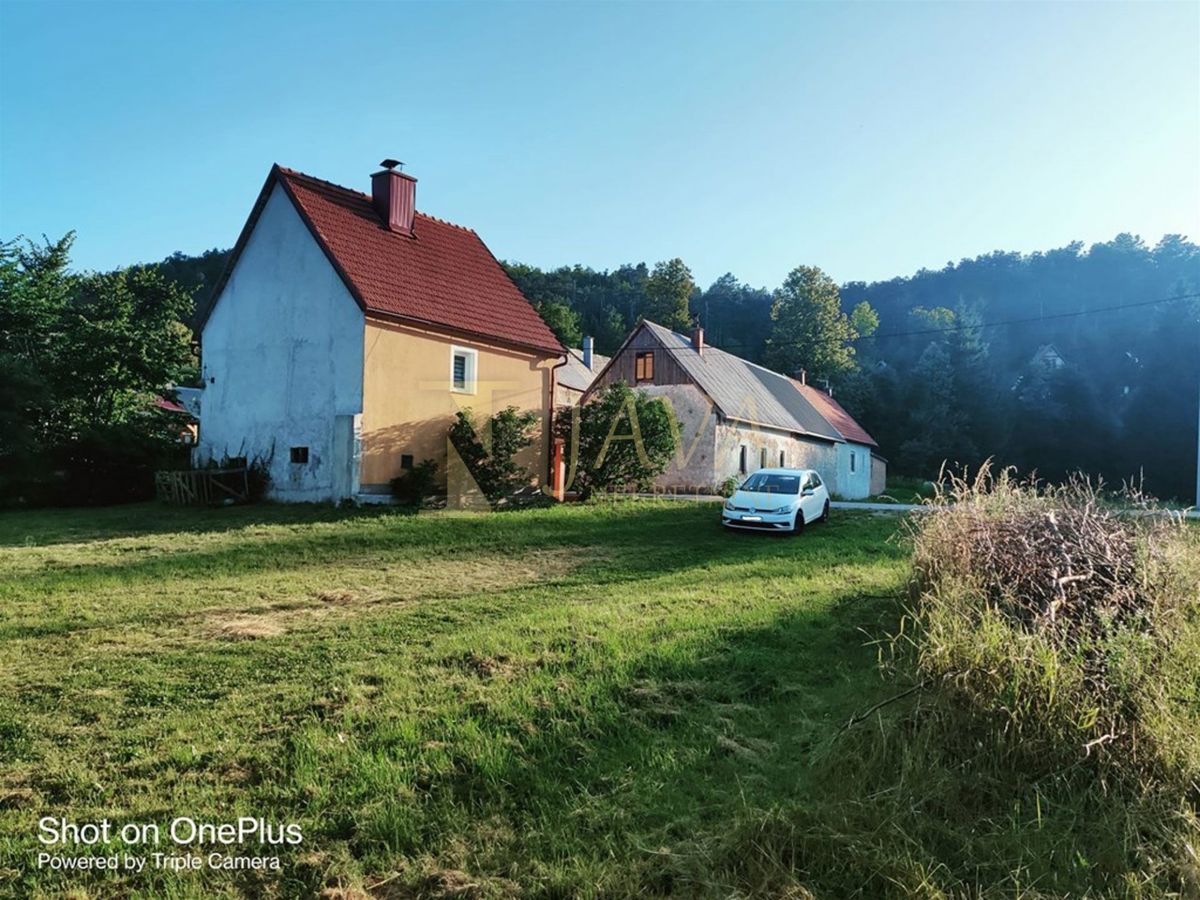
{"points": [[736, 417], [347, 331], [1032, 385], [583, 365]]}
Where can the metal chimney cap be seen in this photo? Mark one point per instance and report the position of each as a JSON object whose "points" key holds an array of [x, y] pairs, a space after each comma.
{"points": [[392, 163]]}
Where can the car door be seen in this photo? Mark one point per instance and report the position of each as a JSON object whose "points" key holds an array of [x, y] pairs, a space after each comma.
{"points": [[811, 501]]}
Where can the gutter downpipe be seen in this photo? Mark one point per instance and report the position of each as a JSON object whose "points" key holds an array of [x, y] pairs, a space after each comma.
{"points": [[557, 488]]}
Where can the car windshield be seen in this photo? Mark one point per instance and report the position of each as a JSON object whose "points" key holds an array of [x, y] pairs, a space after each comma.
{"points": [[772, 484]]}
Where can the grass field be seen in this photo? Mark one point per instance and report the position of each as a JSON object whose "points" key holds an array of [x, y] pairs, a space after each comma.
{"points": [[575, 701]]}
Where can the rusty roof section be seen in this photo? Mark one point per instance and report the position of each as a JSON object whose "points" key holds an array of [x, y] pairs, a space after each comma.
{"points": [[835, 414]]}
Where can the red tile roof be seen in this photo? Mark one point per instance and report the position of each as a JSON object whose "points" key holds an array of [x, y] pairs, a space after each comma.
{"points": [[835, 414], [443, 276]]}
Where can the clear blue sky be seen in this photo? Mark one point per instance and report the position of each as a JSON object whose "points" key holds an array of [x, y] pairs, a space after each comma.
{"points": [[868, 139]]}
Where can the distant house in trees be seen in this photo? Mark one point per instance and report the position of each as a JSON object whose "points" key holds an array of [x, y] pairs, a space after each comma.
{"points": [[347, 331], [1032, 384], [736, 417], [1047, 359]]}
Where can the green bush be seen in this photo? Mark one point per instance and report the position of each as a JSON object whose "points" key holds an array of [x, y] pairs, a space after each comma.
{"points": [[493, 464], [619, 439], [417, 484]]}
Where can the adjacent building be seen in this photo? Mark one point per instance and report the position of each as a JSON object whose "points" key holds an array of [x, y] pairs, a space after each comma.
{"points": [[736, 417], [574, 378], [347, 331]]}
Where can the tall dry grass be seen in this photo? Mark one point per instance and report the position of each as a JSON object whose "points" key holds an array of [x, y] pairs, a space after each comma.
{"points": [[1042, 738]]}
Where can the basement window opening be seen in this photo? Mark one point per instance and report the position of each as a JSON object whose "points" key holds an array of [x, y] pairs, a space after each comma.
{"points": [[853, 462], [406, 461], [781, 459], [742, 460], [762, 458], [300, 455]]}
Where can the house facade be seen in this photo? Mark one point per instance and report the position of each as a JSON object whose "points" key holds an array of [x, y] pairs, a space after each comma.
{"points": [[347, 331], [736, 417]]}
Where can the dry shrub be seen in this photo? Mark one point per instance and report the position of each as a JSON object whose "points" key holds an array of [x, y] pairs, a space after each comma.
{"points": [[1071, 620], [1055, 637]]}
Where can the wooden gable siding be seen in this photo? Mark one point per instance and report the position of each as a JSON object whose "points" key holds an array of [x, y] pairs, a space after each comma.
{"points": [[622, 368]]}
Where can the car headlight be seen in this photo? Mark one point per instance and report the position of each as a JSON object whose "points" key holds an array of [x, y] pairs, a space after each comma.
{"points": [[786, 508], [729, 503]]}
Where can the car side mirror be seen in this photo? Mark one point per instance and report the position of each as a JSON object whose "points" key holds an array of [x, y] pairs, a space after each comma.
{"points": [[807, 492]]}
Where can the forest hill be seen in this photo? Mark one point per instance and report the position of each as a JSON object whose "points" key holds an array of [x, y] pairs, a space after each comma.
{"points": [[966, 393]]}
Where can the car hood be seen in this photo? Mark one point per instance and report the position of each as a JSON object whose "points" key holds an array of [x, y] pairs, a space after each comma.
{"points": [[763, 500]]}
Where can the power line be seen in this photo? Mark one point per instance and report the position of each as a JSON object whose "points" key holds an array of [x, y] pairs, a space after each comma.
{"points": [[1023, 321]]}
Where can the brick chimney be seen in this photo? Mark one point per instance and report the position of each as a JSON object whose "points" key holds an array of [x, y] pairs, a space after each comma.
{"points": [[698, 340], [394, 196], [588, 344]]}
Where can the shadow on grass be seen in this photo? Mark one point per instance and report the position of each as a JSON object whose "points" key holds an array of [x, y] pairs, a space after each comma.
{"points": [[47, 527]]}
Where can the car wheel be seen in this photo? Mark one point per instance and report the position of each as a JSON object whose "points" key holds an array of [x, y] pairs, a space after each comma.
{"points": [[798, 523], [825, 513]]}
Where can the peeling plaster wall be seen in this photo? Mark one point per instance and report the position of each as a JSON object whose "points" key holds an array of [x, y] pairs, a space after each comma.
{"points": [[282, 356], [799, 452], [692, 467]]}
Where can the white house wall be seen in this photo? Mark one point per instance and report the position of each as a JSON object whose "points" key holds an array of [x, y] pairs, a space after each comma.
{"points": [[282, 356], [853, 485]]}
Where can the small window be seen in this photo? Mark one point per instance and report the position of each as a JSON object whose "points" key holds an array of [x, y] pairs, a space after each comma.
{"points": [[406, 460], [462, 370], [814, 480], [300, 455], [781, 460], [644, 366], [853, 461], [762, 458], [742, 460]]}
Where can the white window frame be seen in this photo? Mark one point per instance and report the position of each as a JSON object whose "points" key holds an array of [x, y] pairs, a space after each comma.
{"points": [[470, 369]]}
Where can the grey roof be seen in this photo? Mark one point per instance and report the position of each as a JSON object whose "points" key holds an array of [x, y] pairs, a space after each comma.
{"points": [[575, 375], [744, 391]]}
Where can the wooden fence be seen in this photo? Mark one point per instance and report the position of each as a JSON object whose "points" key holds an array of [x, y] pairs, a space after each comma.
{"points": [[203, 487]]}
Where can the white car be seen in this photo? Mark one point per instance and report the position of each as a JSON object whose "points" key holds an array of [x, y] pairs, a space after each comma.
{"points": [[783, 500]]}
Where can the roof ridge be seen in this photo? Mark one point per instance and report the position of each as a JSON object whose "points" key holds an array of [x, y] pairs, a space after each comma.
{"points": [[295, 173]]}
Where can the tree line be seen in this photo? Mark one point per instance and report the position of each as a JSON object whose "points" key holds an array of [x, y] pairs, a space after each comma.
{"points": [[1075, 358]]}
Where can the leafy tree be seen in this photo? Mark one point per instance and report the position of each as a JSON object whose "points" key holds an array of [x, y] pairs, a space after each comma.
{"points": [[736, 317], [810, 331], [864, 320], [493, 464], [668, 292], [935, 419], [83, 358], [620, 438], [563, 321]]}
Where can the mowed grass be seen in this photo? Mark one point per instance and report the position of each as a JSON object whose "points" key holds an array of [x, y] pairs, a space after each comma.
{"points": [[576, 701]]}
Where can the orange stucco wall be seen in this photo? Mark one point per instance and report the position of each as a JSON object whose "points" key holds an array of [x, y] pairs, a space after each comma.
{"points": [[408, 403]]}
